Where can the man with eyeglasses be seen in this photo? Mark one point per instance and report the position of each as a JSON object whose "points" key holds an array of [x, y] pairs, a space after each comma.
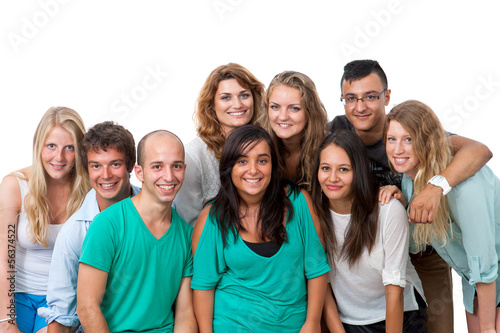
{"points": [[365, 94]]}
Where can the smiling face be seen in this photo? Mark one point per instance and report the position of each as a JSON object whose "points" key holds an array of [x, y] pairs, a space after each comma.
{"points": [[369, 115], [335, 176], [286, 114], [233, 105], [58, 153], [251, 173], [163, 168], [108, 175], [399, 149]]}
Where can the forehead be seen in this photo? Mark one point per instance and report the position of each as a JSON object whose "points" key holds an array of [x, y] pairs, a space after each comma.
{"points": [[229, 85], [110, 154], [366, 84], [285, 92], [333, 154], [260, 148], [57, 132], [395, 128], [163, 148]]}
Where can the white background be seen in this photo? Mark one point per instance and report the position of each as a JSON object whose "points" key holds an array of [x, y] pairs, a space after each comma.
{"points": [[97, 56]]}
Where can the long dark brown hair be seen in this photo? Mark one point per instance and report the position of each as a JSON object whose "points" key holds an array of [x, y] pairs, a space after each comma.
{"points": [[275, 203], [362, 230]]}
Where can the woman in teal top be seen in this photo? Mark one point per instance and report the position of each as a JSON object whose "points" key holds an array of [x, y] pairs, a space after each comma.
{"points": [[465, 229], [259, 265]]}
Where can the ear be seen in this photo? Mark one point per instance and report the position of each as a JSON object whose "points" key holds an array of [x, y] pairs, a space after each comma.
{"points": [[139, 173], [387, 97]]}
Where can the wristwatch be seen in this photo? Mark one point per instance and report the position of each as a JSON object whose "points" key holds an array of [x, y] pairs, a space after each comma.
{"points": [[440, 181]]}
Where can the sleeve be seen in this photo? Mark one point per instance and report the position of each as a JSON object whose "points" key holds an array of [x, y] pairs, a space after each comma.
{"points": [[472, 206], [315, 261], [208, 262], [99, 246], [395, 241], [189, 200], [61, 291], [188, 266]]}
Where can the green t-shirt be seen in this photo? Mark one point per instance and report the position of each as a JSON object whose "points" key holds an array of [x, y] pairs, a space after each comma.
{"points": [[255, 293], [144, 273]]}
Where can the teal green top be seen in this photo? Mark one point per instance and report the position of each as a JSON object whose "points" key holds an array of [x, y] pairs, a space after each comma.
{"points": [[473, 248], [144, 273], [255, 293]]}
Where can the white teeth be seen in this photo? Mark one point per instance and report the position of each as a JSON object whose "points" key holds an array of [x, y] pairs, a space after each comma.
{"points": [[400, 160], [108, 185], [252, 180], [284, 125], [236, 113], [166, 187]]}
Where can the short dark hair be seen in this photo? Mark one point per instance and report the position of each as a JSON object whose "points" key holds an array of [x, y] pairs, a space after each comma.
{"points": [[358, 69], [275, 203], [142, 143], [109, 135]]}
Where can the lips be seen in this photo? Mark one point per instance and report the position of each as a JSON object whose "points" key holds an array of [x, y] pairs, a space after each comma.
{"points": [[253, 180], [166, 188], [57, 166], [400, 160], [108, 186], [333, 187], [281, 125]]}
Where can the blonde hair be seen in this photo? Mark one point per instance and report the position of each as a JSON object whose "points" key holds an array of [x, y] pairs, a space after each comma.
{"points": [[36, 203], [430, 144], [314, 131], [207, 125]]}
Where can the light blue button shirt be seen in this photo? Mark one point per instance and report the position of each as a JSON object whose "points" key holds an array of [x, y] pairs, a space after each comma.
{"points": [[61, 291], [473, 250]]}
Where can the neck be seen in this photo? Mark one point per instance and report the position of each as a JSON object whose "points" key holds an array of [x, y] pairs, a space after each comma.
{"points": [[104, 203], [151, 211], [372, 135], [341, 206]]}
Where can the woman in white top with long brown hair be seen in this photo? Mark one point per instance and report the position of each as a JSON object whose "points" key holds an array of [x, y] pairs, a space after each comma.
{"points": [[34, 203]]}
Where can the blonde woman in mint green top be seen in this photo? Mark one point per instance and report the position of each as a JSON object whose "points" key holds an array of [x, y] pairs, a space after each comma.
{"points": [[466, 227], [260, 267]]}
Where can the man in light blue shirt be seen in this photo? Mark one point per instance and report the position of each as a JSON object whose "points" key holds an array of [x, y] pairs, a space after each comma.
{"points": [[108, 153]]}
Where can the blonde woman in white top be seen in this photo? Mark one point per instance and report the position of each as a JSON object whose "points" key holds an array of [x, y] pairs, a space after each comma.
{"points": [[34, 203]]}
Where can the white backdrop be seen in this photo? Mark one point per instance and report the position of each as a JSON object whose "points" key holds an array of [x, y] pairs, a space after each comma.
{"points": [[142, 63]]}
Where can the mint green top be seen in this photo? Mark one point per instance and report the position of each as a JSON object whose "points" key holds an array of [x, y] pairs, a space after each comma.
{"points": [[473, 249], [255, 293], [144, 273]]}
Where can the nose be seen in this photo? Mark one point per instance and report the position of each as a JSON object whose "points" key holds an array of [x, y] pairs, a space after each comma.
{"points": [[360, 105], [252, 167], [105, 173], [237, 103], [60, 155], [283, 114], [168, 174], [398, 149], [333, 176]]}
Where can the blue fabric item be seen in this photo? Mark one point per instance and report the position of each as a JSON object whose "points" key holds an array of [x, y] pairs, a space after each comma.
{"points": [[28, 321], [473, 249], [61, 291]]}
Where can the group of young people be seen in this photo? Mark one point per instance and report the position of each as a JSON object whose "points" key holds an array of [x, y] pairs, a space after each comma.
{"points": [[300, 225]]}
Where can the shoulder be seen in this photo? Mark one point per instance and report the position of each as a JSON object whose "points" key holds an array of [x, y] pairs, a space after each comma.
{"points": [[10, 193], [392, 212], [195, 146], [184, 226], [340, 122]]}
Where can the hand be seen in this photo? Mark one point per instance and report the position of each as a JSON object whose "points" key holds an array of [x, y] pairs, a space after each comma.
{"points": [[386, 192], [424, 205], [311, 327]]}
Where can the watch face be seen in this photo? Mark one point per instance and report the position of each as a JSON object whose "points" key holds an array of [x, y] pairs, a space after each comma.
{"points": [[438, 179]]}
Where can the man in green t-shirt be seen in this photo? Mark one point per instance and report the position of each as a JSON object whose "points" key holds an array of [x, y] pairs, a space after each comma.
{"points": [[136, 262]]}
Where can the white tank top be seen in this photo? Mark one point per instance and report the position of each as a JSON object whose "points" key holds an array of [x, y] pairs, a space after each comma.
{"points": [[32, 260]]}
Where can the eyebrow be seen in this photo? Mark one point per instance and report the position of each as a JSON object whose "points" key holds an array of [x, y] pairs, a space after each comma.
{"points": [[113, 161], [228, 93], [365, 93]]}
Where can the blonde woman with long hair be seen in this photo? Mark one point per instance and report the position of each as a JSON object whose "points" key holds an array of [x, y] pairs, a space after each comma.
{"points": [[295, 118], [230, 97], [34, 204], [466, 227]]}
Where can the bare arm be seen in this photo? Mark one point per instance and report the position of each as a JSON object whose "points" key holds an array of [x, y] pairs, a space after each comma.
{"points": [[90, 291], [55, 327], [331, 314], [469, 157], [486, 297], [10, 205], [394, 309], [185, 321], [204, 309], [316, 288]]}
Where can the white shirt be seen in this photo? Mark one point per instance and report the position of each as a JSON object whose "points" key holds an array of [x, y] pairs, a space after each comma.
{"points": [[360, 290]]}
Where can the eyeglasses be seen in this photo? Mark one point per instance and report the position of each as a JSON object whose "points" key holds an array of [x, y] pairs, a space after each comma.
{"points": [[351, 100]]}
